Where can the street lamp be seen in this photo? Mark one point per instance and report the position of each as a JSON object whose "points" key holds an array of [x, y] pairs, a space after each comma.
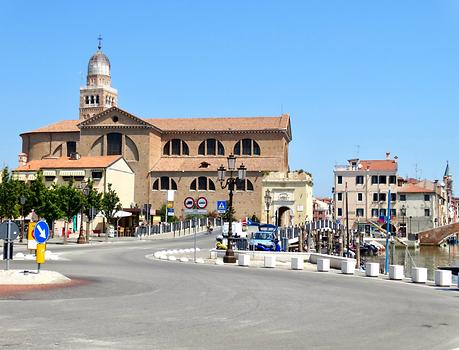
{"points": [[230, 181], [267, 203], [22, 200], [81, 238]]}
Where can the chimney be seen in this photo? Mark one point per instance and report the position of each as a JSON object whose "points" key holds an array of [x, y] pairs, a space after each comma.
{"points": [[396, 159], [387, 155], [22, 159]]}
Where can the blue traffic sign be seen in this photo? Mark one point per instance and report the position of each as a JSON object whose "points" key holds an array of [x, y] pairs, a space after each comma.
{"points": [[221, 207], [41, 232]]}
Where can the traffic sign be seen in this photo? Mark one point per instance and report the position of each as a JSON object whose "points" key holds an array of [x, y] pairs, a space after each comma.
{"points": [[14, 230], [188, 202], [221, 207], [41, 232], [170, 211], [201, 203], [195, 211]]}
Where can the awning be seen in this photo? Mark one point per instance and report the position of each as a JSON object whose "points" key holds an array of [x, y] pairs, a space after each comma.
{"points": [[72, 173], [49, 172], [20, 177]]}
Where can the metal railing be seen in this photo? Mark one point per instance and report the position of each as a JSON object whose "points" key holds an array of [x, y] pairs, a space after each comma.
{"points": [[178, 228]]}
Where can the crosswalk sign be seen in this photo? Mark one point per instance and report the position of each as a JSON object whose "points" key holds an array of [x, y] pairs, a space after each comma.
{"points": [[221, 207]]}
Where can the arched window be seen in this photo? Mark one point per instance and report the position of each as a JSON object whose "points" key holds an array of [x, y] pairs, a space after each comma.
{"points": [[164, 183], [247, 147], [176, 147], [114, 144], [202, 183], [211, 147], [244, 185]]}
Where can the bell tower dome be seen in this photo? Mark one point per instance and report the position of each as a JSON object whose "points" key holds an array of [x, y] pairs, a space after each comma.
{"points": [[98, 94]]}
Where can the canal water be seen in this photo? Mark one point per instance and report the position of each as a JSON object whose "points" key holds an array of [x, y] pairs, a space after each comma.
{"points": [[424, 256]]}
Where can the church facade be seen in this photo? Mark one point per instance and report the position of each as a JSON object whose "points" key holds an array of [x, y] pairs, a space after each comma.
{"points": [[180, 154]]}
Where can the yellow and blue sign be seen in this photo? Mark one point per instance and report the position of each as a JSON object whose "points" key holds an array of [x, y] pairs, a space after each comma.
{"points": [[41, 232]]}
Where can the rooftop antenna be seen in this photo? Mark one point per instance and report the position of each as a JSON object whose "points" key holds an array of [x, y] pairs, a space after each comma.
{"points": [[100, 42]]}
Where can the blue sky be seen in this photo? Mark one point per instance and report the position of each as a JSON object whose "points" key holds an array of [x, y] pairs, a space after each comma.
{"points": [[360, 77]]}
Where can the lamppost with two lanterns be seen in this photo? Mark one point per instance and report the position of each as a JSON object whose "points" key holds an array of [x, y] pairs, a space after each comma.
{"points": [[229, 183]]}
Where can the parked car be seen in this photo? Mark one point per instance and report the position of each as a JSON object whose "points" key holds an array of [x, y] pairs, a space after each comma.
{"points": [[265, 238]]}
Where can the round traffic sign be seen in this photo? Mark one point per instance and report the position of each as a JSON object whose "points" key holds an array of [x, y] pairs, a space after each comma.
{"points": [[41, 232], [201, 203], [188, 202]]}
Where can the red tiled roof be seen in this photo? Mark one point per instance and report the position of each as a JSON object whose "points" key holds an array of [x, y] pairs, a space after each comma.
{"points": [[280, 123], [410, 188], [60, 126], [67, 163], [221, 123], [388, 165], [171, 164]]}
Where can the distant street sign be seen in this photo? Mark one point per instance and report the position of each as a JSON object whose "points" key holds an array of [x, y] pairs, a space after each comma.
{"points": [[221, 207], [201, 203], [195, 211], [14, 230], [41, 232], [170, 211], [188, 202]]}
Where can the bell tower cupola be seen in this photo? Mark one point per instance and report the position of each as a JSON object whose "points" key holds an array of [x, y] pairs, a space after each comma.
{"points": [[98, 94]]}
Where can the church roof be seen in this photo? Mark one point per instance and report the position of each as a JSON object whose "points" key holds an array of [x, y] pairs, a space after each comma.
{"points": [[211, 124], [221, 123], [60, 126], [174, 164], [67, 163]]}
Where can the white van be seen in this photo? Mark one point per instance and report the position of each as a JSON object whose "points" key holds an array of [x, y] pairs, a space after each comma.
{"points": [[236, 228]]}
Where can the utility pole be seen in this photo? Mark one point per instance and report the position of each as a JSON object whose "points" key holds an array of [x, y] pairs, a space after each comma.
{"points": [[347, 222]]}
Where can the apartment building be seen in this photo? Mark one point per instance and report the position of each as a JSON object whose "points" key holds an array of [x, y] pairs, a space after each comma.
{"points": [[361, 191]]}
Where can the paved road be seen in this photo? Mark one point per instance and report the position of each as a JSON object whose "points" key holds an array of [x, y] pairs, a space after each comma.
{"points": [[130, 302]]}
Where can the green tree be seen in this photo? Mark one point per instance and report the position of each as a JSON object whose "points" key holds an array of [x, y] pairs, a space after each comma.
{"points": [[44, 201], [38, 196], [110, 204], [70, 202], [51, 210], [9, 196], [92, 200]]}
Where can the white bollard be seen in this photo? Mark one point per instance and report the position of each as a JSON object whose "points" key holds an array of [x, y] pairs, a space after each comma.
{"points": [[371, 269], [348, 267], [323, 265], [396, 272], [270, 261], [419, 275], [443, 278], [243, 259], [297, 263]]}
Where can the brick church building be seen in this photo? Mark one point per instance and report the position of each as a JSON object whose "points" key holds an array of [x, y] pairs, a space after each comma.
{"points": [[180, 154]]}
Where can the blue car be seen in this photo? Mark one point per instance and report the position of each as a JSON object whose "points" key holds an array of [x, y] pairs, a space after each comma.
{"points": [[265, 238]]}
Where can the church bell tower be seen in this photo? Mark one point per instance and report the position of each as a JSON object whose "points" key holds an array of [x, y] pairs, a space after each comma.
{"points": [[98, 94]]}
